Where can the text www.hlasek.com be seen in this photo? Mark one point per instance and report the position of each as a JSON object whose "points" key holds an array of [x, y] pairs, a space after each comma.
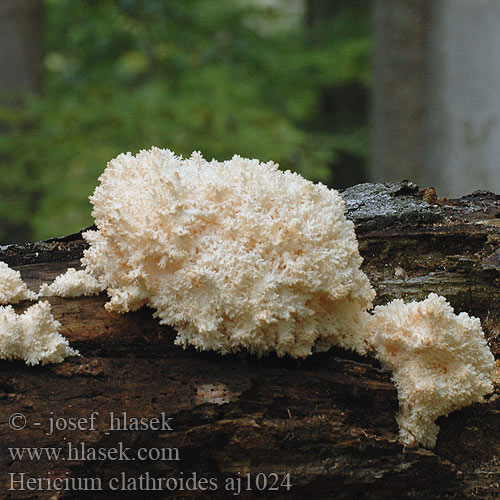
{"points": [[82, 452]]}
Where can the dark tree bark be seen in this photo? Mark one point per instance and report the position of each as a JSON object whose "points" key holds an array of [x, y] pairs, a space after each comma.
{"points": [[327, 420]]}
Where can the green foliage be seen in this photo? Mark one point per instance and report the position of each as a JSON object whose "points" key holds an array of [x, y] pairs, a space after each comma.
{"points": [[123, 75]]}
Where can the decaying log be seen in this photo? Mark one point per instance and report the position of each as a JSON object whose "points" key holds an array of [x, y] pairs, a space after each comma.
{"points": [[327, 421]]}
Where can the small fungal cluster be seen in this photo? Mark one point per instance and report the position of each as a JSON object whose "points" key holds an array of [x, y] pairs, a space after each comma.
{"points": [[34, 335], [440, 362], [240, 255]]}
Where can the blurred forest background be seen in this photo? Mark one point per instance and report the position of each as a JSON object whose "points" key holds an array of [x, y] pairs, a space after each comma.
{"points": [[341, 91], [82, 81]]}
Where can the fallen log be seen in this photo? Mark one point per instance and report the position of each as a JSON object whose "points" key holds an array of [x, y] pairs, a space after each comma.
{"points": [[138, 417]]}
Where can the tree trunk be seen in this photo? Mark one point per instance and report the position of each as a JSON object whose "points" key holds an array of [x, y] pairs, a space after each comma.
{"points": [[21, 64], [400, 36], [327, 421], [436, 115], [21, 48]]}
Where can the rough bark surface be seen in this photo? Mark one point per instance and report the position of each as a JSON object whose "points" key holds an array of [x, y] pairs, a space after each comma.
{"points": [[328, 420]]}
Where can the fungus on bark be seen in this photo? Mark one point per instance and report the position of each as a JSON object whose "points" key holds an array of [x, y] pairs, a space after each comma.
{"points": [[12, 288], [32, 336], [233, 254], [240, 255], [440, 361]]}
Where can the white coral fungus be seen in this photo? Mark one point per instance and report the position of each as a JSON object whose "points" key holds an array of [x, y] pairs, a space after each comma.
{"points": [[233, 254], [238, 254], [32, 336], [73, 283], [440, 362], [12, 288]]}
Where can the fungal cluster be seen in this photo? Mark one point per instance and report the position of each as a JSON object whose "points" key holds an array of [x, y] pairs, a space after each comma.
{"points": [[240, 255], [235, 254], [440, 361], [13, 289], [34, 335]]}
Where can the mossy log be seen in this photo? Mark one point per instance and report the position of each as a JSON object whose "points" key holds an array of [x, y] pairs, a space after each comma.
{"points": [[327, 421]]}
